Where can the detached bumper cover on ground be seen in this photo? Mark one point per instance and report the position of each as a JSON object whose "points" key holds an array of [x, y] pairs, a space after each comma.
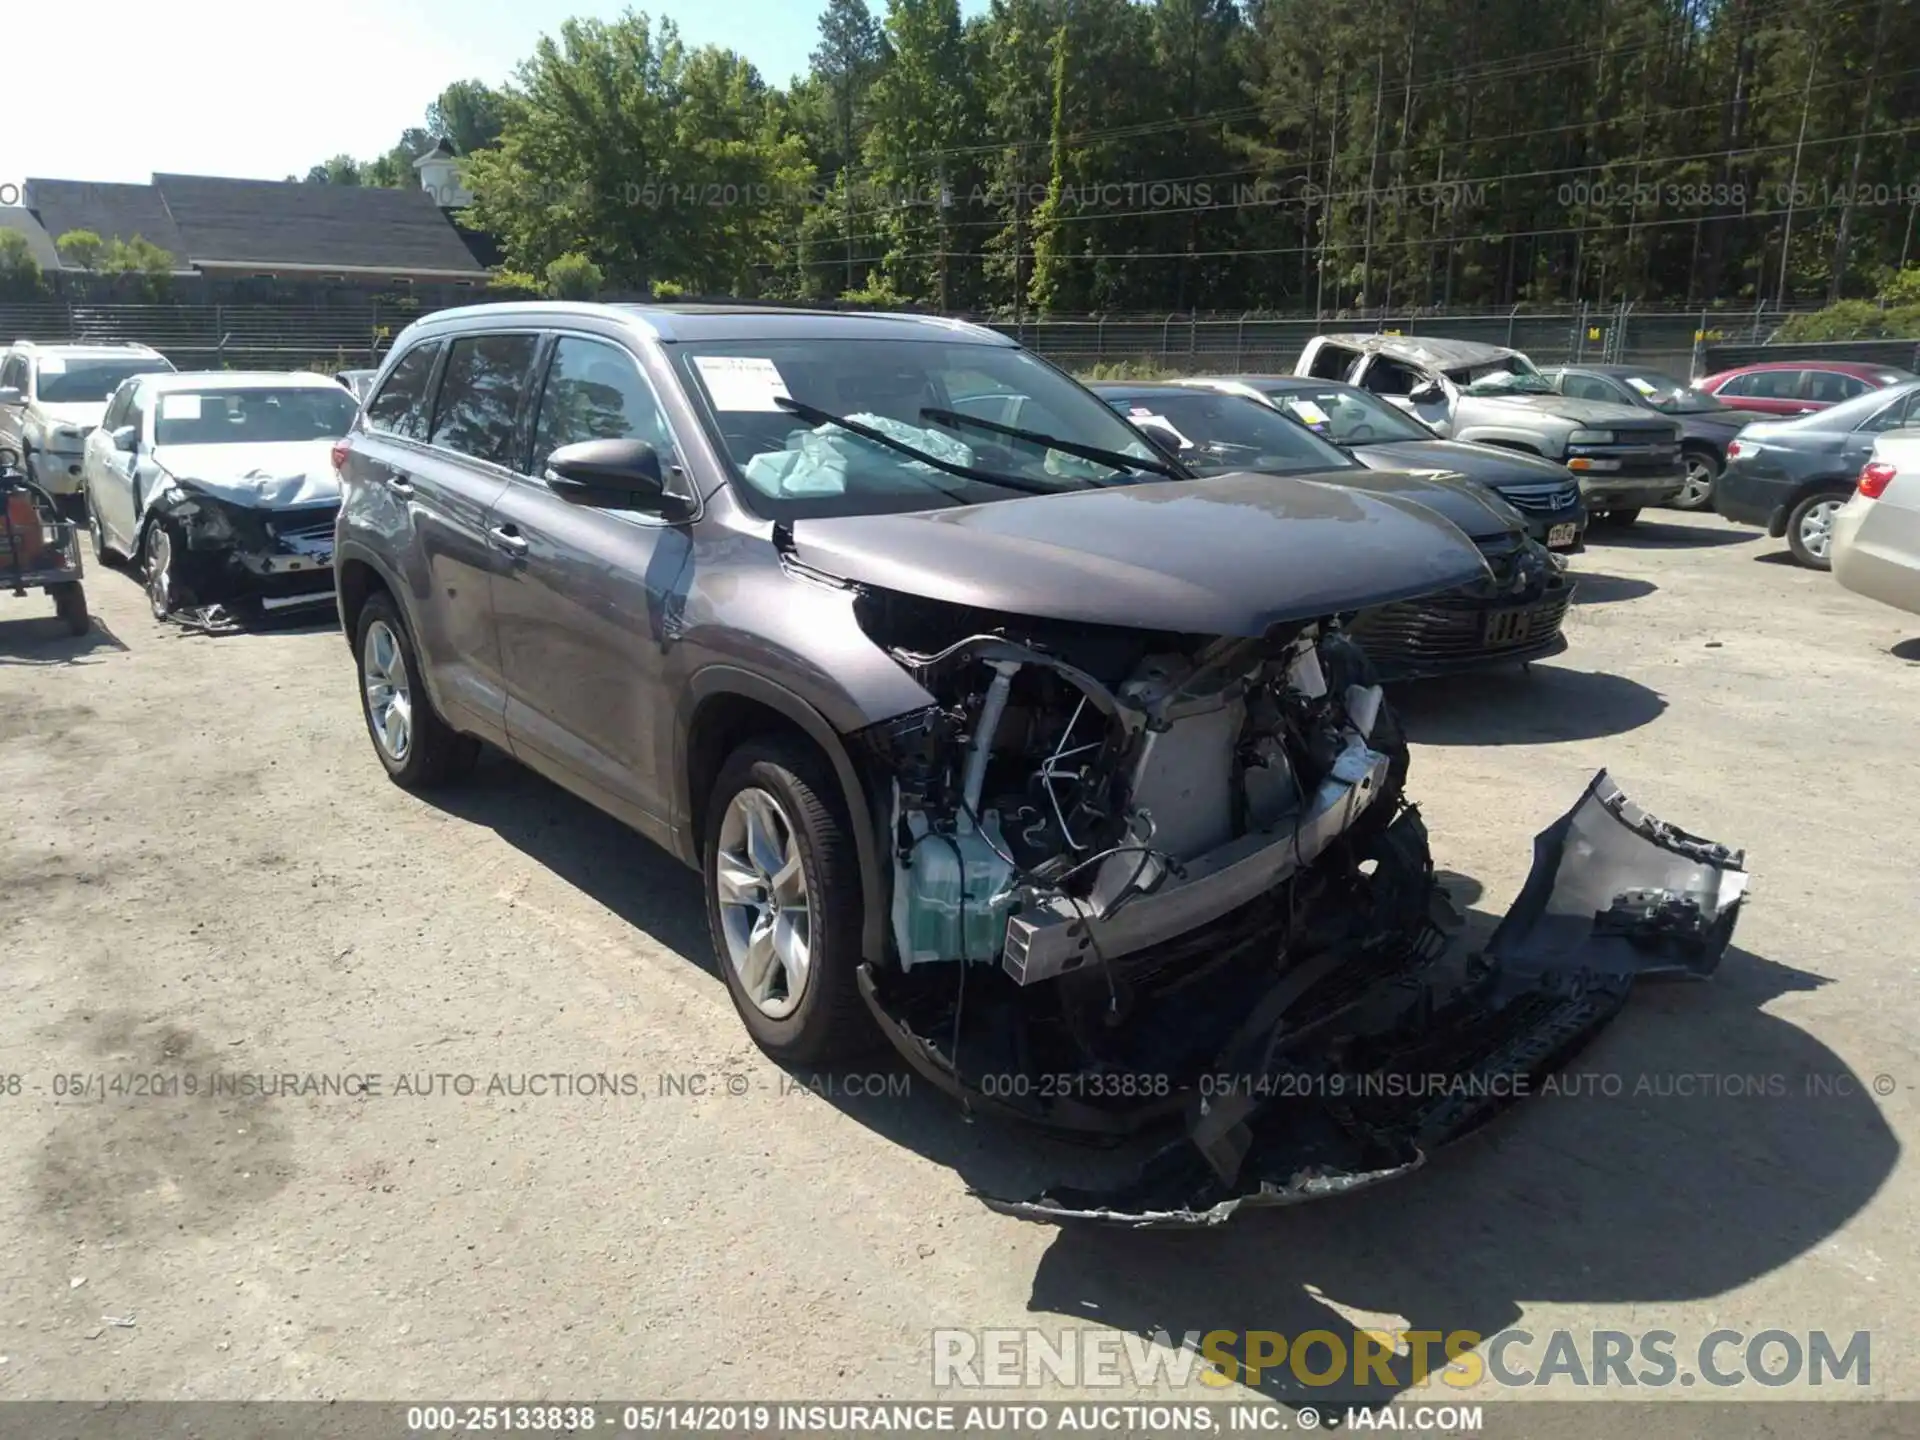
{"points": [[1314, 1099]]}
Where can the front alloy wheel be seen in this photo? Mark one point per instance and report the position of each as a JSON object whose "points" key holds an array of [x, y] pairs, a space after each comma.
{"points": [[389, 696], [159, 571], [1697, 492], [766, 916]]}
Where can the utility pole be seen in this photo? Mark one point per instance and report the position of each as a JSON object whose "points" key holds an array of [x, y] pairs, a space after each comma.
{"points": [[1793, 183], [1019, 244]]}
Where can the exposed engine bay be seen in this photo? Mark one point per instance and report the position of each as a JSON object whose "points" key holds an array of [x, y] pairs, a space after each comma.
{"points": [[1142, 879]]}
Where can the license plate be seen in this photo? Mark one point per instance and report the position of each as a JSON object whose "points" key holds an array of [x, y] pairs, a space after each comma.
{"points": [[1505, 627], [1563, 537]]}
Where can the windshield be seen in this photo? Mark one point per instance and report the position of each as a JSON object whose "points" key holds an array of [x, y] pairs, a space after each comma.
{"points": [[793, 467], [1347, 415], [1507, 377], [69, 380], [253, 417], [1214, 433]]}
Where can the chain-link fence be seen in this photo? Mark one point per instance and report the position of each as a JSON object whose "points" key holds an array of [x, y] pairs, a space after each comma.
{"points": [[337, 336]]}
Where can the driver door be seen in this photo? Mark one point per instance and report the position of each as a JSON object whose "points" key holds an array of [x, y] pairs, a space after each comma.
{"points": [[588, 606]]}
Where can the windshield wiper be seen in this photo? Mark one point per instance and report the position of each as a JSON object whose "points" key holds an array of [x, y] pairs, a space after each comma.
{"points": [[1114, 458], [866, 432]]}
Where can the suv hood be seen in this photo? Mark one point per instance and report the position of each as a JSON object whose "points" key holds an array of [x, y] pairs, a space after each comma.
{"points": [[1599, 414], [1481, 514], [1227, 555], [270, 476], [85, 415]]}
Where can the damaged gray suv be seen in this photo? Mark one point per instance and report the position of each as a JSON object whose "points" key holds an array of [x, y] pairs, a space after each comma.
{"points": [[991, 729]]}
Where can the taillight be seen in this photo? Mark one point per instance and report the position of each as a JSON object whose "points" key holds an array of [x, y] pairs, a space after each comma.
{"points": [[340, 453], [1875, 476], [1734, 452]]}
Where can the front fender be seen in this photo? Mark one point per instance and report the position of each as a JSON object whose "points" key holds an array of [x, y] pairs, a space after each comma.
{"points": [[730, 680]]}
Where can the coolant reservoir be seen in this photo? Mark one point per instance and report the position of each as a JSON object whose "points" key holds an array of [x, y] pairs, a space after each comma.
{"points": [[952, 898]]}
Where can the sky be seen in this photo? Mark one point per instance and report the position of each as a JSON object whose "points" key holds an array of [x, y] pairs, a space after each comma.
{"points": [[263, 89]]}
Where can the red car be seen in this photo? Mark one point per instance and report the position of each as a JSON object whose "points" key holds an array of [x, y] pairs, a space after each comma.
{"points": [[1799, 387]]}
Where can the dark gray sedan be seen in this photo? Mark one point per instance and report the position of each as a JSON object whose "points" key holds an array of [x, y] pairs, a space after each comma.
{"points": [[1792, 476]]}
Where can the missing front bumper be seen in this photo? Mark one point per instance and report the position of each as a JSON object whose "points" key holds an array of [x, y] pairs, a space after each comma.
{"points": [[1312, 1098]]}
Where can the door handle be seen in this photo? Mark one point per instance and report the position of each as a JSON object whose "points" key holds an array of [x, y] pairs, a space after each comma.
{"points": [[399, 485], [506, 538]]}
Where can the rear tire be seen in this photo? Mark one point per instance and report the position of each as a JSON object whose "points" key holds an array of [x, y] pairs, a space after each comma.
{"points": [[774, 819], [416, 748], [1810, 528], [97, 534]]}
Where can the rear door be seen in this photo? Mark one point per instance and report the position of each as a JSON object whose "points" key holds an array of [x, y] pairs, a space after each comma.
{"points": [[440, 433], [589, 606]]}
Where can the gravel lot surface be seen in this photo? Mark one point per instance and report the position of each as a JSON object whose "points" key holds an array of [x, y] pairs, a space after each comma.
{"points": [[203, 870]]}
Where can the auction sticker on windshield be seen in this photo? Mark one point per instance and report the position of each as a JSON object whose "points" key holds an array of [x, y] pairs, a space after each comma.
{"points": [[742, 382], [1309, 412], [179, 407], [1642, 386]]}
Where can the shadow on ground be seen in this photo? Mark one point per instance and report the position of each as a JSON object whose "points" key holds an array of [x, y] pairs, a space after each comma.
{"points": [[1908, 650], [1645, 534], [1537, 706], [1593, 587], [1700, 1143], [27, 639], [631, 876]]}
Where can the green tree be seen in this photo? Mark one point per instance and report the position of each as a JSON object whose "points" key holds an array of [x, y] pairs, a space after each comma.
{"points": [[469, 113], [653, 161], [340, 170], [19, 270], [82, 249], [574, 277]]}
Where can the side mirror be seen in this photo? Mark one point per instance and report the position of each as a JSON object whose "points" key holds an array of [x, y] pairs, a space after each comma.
{"points": [[610, 475], [126, 439], [1426, 392], [9, 396]]}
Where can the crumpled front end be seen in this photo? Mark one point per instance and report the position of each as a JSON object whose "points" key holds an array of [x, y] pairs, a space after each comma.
{"points": [[1146, 882], [229, 551], [1299, 1109]]}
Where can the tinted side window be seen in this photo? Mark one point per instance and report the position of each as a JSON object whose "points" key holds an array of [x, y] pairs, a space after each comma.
{"points": [[1332, 362], [1831, 387], [1777, 384], [401, 406], [595, 391], [479, 404], [137, 412], [1904, 411], [13, 374]]}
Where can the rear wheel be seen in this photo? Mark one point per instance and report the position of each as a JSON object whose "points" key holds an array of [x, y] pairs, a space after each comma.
{"points": [[784, 902], [97, 533], [416, 747], [1703, 469], [1810, 529]]}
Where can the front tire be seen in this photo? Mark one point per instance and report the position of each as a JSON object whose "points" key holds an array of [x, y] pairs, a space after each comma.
{"points": [[784, 904], [1810, 528], [1703, 472], [159, 568], [416, 747]]}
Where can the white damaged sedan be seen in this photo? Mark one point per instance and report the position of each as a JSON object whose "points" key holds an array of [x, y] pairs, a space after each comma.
{"points": [[221, 486]]}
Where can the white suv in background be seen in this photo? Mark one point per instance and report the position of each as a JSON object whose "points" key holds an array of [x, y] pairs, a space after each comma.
{"points": [[51, 396]]}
